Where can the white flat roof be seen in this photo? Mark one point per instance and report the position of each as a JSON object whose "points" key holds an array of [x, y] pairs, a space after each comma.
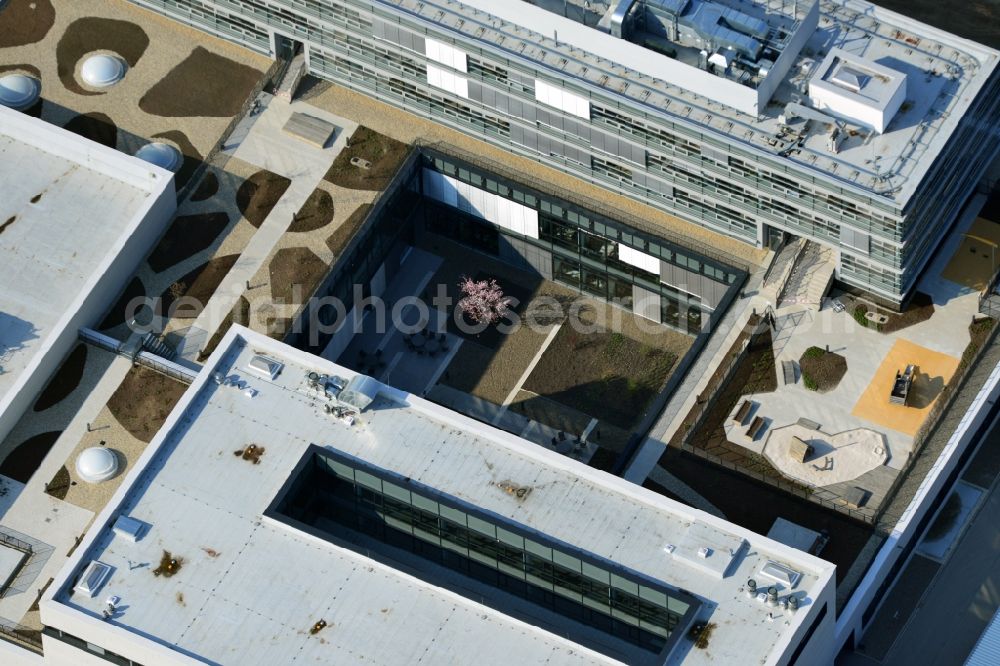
{"points": [[864, 80], [67, 205], [250, 587], [946, 73]]}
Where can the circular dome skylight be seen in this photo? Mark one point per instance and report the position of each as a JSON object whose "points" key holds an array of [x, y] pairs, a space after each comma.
{"points": [[96, 464], [161, 154], [102, 71], [19, 91]]}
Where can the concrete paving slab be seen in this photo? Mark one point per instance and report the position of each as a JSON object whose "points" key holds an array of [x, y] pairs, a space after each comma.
{"points": [[836, 458]]}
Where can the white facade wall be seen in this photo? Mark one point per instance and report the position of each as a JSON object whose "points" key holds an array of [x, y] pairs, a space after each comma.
{"points": [[97, 297], [13, 655], [850, 107], [494, 208], [447, 80], [633, 257], [105, 282], [445, 54], [561, 99]]}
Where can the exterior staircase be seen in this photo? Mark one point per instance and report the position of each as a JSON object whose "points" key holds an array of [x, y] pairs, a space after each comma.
{"points": [[296, 69], [155, 345], [781, 269], [810, 277]]}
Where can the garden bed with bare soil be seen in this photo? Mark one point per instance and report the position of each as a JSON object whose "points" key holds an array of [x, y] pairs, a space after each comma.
{"points": [[65, 380], [258, 194], [25, 22], [92, 33], [116, 315], [143, 400], [343, 234], [920, 308], [197, 286], [491, 374], [754, 374], [192, 158], [822, 370], [187, 236], [240, 314], [204, 85], [58, 487], [384, 154], [295, 266], [605, 374], [95, 126], [207, 188], [316, 213], [22, 462]]}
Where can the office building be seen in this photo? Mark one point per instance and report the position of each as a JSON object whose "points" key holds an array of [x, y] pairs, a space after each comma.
{"points": [[263, 522], [839, 122]]}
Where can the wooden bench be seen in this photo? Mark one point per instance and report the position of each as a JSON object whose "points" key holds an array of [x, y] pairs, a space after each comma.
{"points": [[755, 427], [743, 412], [799, 450]]}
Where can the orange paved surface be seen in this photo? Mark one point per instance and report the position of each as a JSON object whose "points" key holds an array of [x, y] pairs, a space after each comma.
{"points": [[974, 261], [934, 370]]}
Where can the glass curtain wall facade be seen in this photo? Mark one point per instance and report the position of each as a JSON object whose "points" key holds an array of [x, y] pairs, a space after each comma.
{"points": [[581, 249], [379, 49], [343, 496]]}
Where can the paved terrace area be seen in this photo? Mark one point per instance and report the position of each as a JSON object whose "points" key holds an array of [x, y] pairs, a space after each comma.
{"points": [[260, 140], [190, 471]]}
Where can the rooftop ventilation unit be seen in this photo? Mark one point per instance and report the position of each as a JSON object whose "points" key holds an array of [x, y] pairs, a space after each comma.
{"points": [[128, 528]]}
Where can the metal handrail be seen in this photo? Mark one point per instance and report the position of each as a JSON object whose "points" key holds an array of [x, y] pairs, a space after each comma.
{"points": [[22, 635], [15, 543]]}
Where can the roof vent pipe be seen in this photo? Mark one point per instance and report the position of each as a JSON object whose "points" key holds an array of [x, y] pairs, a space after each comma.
{"points": [[751, 588], [772, 596]]}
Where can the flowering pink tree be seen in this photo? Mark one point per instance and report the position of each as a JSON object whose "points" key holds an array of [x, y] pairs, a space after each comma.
{"points": [[483, 302]]}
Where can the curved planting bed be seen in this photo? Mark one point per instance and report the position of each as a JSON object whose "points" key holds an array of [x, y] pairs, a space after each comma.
{"points": [[96, 127], [25, 22], [192, 88], [258, 194], [186, 237], [207, 188], [143, 400], [97, 34], [316, 213], [22, 462], [65, 381], [192, 158], [196, 287], [116, 315]]}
